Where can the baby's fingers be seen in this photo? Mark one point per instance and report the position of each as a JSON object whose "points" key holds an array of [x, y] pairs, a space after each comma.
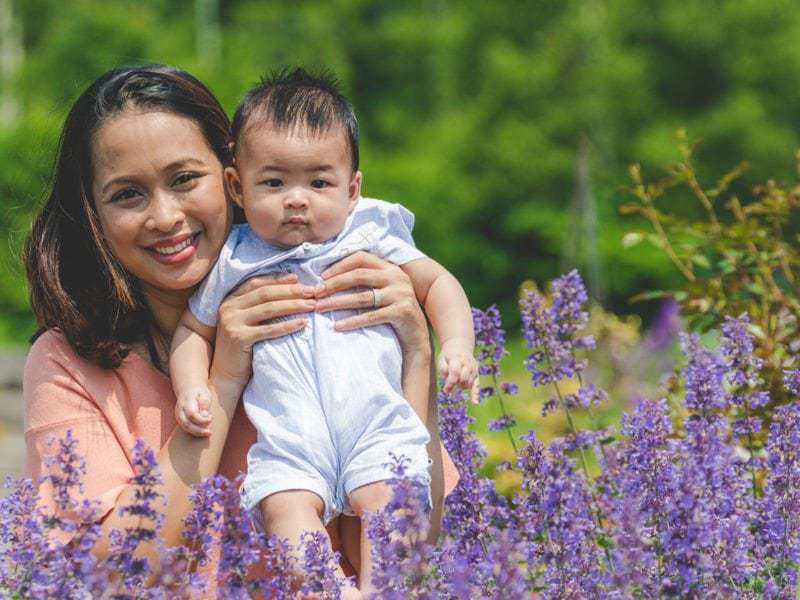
{"points": [[475, 392], [203, 401], [191, 427], [453, 372]]}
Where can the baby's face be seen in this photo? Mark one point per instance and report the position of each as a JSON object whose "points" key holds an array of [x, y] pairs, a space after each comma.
{"points": [[294, 186]]}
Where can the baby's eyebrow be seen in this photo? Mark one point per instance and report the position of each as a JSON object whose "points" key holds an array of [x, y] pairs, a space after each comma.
{"points": [[316, 168]]}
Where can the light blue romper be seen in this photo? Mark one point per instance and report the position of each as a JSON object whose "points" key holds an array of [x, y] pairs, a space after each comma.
{"points": [[327, 405]]}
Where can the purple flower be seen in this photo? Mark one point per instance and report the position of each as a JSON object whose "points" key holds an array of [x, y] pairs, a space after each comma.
{"points": [[509, 388], [490, 339], [703, 374], [555, 520], [241, 546], [403, 562], [586, 396], [318, 565], [791, 380], [665, 327], [501, 424], [134, 570], [778, 526], [551, 333], [736, 346]]}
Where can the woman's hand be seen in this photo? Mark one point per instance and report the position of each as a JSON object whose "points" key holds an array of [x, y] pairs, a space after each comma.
{"points": [[398, 303], [244, 320]]}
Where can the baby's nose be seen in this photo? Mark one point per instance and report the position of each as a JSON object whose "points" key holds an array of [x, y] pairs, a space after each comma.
{"points": [[296, 199]]}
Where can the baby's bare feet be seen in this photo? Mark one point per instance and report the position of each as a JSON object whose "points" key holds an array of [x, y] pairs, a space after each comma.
{"points": [[351, 593]]}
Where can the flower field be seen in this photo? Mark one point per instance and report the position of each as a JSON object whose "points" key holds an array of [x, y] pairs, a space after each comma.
{"points": [[691, 495]]}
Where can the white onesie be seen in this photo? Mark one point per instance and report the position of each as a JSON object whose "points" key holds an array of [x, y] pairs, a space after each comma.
{"points": [[327, 405]]}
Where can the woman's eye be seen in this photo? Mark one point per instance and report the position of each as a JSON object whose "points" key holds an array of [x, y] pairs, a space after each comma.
{"points": [[184, 178], [273, 183], [319, 184], [125, 194]]}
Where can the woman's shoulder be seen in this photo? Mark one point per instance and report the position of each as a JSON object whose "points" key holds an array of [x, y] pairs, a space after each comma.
{"points": [[51, 353], [51, 359], [57, 380]]}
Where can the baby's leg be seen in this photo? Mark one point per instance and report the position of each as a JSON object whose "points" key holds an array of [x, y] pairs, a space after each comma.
{"points": [[368, 498], [287, 515]]}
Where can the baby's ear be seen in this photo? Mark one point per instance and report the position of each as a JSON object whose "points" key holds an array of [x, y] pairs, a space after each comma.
{"points": [[354, 189], [234, 185]]}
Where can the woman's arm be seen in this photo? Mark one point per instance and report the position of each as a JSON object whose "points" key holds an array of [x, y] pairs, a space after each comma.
{"points": [[184, 460]]}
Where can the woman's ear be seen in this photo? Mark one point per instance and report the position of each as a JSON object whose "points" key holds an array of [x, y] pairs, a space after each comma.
{"points": [[234, 185], [354, 189]]}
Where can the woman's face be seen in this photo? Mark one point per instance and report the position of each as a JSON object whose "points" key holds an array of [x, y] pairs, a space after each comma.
{"points": [[159, 192]]}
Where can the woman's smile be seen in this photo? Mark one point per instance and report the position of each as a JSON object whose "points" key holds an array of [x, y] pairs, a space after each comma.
{"points": [[175, 250]]}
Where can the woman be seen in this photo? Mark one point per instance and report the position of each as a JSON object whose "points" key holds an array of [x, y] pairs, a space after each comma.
{"points": [[135, 219]]}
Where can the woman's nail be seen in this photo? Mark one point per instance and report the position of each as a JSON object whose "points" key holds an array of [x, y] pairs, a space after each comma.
{"points": [[320, 289], [308, 291], [321, 304], [310, 304]]}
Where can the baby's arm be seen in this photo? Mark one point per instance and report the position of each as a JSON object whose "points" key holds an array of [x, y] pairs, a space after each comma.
{"points": [[190, 359], [450, 314]]}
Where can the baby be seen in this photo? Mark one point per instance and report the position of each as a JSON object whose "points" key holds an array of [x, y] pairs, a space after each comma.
{"points": [[327, 405]]}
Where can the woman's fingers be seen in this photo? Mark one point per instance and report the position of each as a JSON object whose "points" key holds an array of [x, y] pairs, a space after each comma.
{"points": [[365, 319], [266, 280], [279, 329], [354, 261], [255, 315], [273, 292], [352, 301], [364, 278]]}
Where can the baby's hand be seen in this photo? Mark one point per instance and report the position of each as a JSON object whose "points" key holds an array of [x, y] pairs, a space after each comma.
{"points": [[193, 411], [458, 368]]}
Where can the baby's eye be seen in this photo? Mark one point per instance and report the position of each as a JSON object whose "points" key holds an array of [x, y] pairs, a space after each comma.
{"points": [[273, 183], [126, 194], [184, 178], [319, 184]]}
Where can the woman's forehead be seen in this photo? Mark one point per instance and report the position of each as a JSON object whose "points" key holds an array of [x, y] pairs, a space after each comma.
{"points": [[136, 139]]}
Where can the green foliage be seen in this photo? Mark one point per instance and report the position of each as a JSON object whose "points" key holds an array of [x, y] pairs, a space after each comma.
{"points": [[735, 257], [472, 113]]}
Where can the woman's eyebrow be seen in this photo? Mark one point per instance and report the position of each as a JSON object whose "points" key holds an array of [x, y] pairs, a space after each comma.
{"points": [[184, 162]]}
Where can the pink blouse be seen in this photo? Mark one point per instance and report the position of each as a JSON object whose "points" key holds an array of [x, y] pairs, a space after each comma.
{"points": [[107, 411]]}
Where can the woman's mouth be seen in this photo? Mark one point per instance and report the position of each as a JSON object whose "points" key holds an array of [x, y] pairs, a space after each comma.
{"points": [[176, 250]]}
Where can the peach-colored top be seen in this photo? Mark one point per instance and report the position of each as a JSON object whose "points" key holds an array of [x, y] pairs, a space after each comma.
{"points": [[107, 411]]}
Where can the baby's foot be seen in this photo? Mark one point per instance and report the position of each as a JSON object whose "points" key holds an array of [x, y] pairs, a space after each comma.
{"points": [[351, 593]]}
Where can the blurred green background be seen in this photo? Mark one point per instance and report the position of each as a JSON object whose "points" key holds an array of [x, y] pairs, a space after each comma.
{"points": [[507, 127]]}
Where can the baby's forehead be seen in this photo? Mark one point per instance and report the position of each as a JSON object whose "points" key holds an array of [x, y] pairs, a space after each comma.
{"points": [[260, 135]]}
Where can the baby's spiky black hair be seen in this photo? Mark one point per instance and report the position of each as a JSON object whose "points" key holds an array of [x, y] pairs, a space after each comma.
{"points": [[288, 98]]}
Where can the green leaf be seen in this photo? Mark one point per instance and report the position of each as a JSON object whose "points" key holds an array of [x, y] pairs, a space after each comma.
{"points": [[651, 295], [631, 239], [701, 261]]}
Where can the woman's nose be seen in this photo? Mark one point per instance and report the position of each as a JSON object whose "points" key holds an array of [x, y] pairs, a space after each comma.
{"points": [[165, 212]]}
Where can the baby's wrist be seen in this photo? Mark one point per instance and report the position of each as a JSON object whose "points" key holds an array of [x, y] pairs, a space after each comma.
{"points": [[457, 345]]}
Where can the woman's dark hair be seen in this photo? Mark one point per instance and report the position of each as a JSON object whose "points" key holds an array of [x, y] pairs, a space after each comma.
{"points": [[75, 283]]}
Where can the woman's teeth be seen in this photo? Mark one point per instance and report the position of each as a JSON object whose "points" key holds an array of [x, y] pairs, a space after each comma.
{"points": [[176, 248]]}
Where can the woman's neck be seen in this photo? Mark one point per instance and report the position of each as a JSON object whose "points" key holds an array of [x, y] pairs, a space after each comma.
{"points": [[166, 306]]}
